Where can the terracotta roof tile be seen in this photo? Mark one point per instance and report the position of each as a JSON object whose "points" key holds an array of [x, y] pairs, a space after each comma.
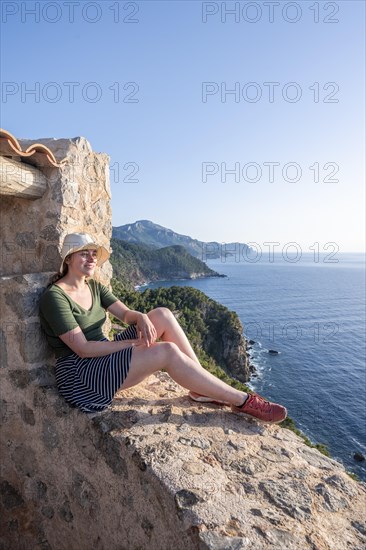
{"points": [[36, 154]]}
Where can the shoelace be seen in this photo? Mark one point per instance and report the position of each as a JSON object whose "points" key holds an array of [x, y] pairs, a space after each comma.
{"points": [[257, 402]]}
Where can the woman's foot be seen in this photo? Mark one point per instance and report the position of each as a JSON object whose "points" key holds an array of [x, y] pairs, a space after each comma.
{"points": [[204, 399], [257, 406]]}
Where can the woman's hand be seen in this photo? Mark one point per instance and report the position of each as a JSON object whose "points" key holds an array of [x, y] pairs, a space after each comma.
{"points": [[145, 329]]}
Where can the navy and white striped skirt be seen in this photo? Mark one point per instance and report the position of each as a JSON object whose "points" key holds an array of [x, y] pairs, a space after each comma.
{"points": [[91, 383]]}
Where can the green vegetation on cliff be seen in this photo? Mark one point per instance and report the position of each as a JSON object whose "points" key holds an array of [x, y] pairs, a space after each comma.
{"points": [[135, 264]]}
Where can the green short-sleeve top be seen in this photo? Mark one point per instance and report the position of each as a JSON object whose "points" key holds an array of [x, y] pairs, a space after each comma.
{"points": [[60, 314]]}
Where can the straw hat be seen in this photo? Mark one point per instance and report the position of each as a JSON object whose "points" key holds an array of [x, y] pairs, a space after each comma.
{"points": [[74, 242]]}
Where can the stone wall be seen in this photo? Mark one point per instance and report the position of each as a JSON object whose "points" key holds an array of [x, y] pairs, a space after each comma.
{"points": [[153, 471], [77, 199]]}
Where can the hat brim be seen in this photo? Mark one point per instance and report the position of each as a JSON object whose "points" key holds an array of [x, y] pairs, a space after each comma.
{"points": [[102, 253]]}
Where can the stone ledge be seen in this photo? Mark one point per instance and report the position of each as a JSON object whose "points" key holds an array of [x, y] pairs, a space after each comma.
{"points": [[236, 481], [158, 471], [68, 484]]}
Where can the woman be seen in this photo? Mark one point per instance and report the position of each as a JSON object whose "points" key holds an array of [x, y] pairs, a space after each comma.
{"points": [[90, 369]]}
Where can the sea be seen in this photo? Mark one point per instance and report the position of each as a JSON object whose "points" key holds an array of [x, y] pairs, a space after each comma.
{"points": [[312, 312]]}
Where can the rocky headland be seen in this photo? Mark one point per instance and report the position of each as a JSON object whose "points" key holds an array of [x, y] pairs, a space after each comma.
{"points": [[153, 235], [137, 264]]}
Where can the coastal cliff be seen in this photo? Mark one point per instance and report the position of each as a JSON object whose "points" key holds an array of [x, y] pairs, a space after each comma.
{"points": [[136, 264]]}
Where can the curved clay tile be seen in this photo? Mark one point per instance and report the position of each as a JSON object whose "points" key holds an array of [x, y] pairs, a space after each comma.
{"points": [[36, 154]]}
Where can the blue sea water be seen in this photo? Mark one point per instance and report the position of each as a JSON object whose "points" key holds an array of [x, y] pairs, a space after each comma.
{"points": [[313, 314]]}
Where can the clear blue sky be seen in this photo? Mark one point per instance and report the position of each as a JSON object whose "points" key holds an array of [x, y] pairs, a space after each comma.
{"points": [[169, 132]]}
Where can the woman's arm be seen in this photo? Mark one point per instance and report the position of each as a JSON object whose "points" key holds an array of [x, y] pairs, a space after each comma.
{"points": [[76, 341], [145, 327]]}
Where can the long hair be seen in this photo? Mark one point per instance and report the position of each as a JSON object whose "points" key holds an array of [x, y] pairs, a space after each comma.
{"points": [[61, 273]]}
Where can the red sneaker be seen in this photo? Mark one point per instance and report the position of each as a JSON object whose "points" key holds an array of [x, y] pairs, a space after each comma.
{"points": [[204, 399], [257, 406]]}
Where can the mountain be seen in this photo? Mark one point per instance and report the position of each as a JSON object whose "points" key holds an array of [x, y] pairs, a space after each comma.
{"points": [[157, 236], [135, 264]]}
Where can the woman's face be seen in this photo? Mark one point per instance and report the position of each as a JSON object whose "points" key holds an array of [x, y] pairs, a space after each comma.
{"points": [[83, 262]]}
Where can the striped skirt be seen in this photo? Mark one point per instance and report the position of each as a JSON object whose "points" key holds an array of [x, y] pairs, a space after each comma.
{"points": [[91, 383]]}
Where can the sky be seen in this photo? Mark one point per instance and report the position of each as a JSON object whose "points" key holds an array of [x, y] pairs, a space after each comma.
{"points": [[225, 121]]}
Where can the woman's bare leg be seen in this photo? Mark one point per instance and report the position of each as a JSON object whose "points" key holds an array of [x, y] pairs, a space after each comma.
{"points": [[183, 369], [169, 330]]}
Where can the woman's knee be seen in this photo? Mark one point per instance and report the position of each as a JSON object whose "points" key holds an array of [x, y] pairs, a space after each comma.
{"points": [[157, 356], [169, 352], [161, 313]]}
